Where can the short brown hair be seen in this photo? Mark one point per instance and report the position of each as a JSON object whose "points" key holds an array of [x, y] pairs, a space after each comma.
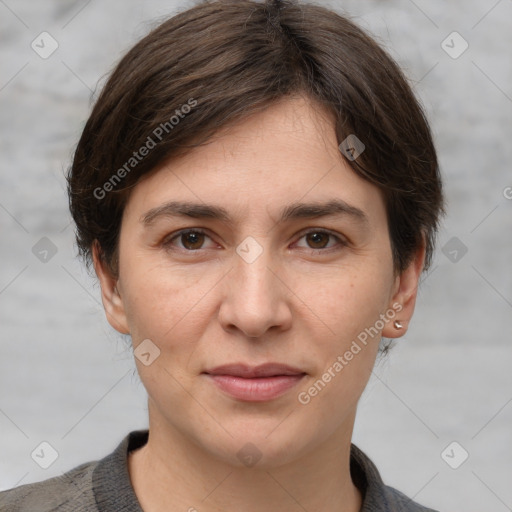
{"points": [[220, 61]]}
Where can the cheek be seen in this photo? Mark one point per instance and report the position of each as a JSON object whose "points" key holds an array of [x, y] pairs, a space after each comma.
{"points": [[166, 302], [350, 306], [170, 308], [350, 300]]}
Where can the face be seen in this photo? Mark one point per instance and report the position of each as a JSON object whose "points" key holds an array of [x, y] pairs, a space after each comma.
{"points": [[262, 246]]}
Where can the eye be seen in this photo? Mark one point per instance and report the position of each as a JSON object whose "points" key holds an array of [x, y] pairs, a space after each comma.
{"points": [[318, 239], [191, 239]]}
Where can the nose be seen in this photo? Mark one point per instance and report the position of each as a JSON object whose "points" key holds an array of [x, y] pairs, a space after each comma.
{"points": [[256, 298]]}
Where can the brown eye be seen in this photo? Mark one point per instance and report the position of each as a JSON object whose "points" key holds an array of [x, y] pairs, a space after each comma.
{"points": [[192, 240], [188, 240], [322, 241], [318, 239]]}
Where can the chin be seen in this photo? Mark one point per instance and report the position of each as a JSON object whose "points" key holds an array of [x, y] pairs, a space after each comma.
{"points": [[265, 448]]}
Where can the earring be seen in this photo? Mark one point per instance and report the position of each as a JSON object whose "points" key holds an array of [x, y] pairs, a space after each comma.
{"points": [[397, 324]]}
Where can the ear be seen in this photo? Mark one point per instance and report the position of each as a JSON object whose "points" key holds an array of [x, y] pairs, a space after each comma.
{"points": [[110, 296], [404, 295]]}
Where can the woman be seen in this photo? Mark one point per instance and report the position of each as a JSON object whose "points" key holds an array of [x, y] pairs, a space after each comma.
{"points": [[258, 192]]}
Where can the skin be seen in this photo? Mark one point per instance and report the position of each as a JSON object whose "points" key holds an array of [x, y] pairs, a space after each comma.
{"points": [[203, 305]]}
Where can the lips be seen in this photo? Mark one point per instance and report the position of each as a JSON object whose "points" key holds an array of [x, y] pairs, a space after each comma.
{"points": [[255, 384], [248, 372]]}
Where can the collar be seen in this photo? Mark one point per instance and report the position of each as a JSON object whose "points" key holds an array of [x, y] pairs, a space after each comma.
{"points": [[114, 493]]}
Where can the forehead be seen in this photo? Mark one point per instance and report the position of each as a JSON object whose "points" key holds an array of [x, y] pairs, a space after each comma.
{"points": [[286, 154]]}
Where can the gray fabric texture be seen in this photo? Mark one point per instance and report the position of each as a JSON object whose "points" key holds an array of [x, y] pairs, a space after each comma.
{"points": [[104, 486]]}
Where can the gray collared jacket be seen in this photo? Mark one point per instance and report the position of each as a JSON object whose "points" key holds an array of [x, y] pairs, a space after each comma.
{"points": [[104, 486]]}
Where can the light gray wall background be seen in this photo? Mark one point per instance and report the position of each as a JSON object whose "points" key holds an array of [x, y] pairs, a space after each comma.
{"points": [[67, 378]]}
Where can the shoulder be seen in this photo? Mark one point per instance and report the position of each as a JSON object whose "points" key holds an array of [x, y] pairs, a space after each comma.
{"points": [[90, 487], [403, 503], [378, 497], [70, 492]]}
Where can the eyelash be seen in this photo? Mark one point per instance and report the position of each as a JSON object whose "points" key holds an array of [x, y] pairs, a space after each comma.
{"points": [[167, 243]]}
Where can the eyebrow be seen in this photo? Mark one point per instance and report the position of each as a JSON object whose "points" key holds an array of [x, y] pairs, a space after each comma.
{"points": [[334, 207]]}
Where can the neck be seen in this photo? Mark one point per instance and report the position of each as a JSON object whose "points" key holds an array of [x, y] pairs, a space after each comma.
{"points": [[170, 473]]}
